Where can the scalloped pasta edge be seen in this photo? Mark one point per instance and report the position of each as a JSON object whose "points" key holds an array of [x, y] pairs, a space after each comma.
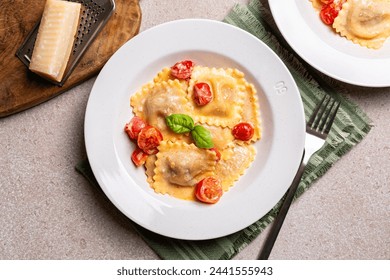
{"points": [[237, 76], [229, 181], [160, 185]]}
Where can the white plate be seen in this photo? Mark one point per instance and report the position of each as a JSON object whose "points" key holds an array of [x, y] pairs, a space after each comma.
{"points": [[325, 50], [208, 43]]}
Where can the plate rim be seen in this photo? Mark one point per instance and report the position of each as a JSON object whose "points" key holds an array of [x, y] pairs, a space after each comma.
{"points": [[295, 42], [103, 179]]}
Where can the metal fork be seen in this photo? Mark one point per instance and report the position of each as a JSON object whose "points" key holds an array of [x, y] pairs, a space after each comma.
{"points": [[317, 129]]}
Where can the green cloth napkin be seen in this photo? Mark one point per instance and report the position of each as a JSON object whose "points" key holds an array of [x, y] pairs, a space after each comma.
{"points": [[350, 126]]}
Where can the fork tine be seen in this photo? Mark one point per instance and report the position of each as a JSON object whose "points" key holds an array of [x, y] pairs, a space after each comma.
{"points": [[331, 117], [318, 111], [324, 115], [320, 120], [315, 112]]}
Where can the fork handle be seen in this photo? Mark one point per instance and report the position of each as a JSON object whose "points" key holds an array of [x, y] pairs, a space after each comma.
{"points": [[277, 225]]}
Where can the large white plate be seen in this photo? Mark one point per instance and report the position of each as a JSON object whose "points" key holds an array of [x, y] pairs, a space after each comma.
{"points": [[208, 43], [325, 50]]}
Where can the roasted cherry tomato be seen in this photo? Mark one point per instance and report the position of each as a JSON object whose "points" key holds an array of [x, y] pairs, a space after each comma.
{"points": [[217, 153], [148, 139], [139, 157], [329, 12], [243, 131], [182, 70], [209, 190], [134, 127], [202, 94]]}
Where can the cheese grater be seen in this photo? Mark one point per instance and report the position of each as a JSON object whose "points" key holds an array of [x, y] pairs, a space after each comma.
{"points": [[94, 15]]}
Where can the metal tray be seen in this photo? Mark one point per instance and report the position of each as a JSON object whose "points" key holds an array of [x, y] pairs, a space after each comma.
{"points": [[94, 15]]}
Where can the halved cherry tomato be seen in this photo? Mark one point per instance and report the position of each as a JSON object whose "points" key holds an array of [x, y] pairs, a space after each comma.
{"points": [[209, 190], [182, 70], [329, 12], [202, 94], [148, 139], [217, 153], [134, 127], [139, 157], [243, 131]]}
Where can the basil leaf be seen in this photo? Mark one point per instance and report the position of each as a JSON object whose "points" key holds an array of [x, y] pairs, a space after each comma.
{"points": [[202, 137], [180, 123]]}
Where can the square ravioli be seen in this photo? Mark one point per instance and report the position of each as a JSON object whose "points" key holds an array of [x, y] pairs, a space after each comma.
{"points": [[165, 75], [179, 166], [233, 164], [227, 87], [155, 101], [364, 22]]}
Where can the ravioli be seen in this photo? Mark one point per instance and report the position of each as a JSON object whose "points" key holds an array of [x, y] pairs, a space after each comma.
{"points": [[179, 164], [222, 136], [234, 163], [165, 75], [155, 101], [251, 112], [316, 4], [227, 86], [365, 22]]}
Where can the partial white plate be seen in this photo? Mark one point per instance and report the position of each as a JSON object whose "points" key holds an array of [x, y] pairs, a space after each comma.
{"points": [[325, 50], [209, 43]]}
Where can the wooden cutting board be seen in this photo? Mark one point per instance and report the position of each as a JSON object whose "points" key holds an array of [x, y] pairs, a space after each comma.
{"points": [[19, 88]]}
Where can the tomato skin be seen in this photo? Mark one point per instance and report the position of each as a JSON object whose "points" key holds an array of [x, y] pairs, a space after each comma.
{"points": [[202, 94], [139, 157], [243, 131], [217, 153], [134, 127], [208, 190], [329, 12], [182, 69], [148, 139]]}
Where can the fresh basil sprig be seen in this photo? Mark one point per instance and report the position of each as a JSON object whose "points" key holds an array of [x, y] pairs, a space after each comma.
{"points": [[181, 123], [202, 137]]}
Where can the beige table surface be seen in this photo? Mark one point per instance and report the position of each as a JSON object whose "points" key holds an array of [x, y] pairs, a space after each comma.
{"points": [[48, 211]]}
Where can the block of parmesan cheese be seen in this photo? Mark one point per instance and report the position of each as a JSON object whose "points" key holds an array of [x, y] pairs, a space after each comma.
{"points": [[55, 38]]}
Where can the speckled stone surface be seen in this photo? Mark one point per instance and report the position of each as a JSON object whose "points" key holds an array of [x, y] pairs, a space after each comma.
{"points": [[49, 211]]}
